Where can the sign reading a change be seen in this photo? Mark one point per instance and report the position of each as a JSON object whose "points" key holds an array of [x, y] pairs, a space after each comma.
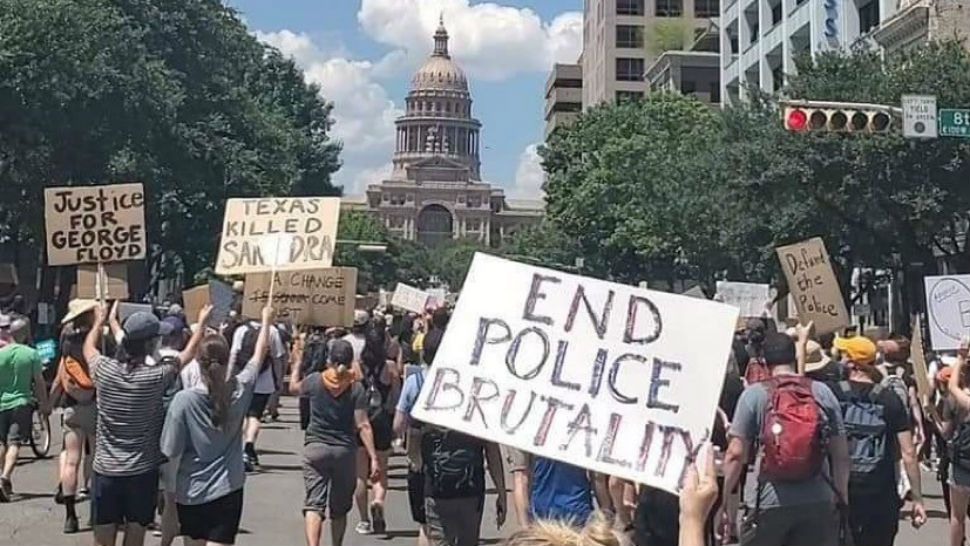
{"points": [[253, 228]]}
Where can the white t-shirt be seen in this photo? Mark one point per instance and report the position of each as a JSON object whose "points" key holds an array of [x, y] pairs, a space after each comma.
{"points": [[191, 375], [357, 342], [277, 352]]}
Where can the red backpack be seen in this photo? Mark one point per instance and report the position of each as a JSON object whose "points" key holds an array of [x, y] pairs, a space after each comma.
{"points": [[792, 430], [756, 371]]}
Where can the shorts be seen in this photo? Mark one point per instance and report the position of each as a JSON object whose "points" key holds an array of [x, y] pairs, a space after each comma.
{"points": [[516, 460], [257, 406], [416, 497], [959, 476], [117, 500], [798, 525], [15, 425], [213, 521], [454, 522], [874, 519], [80, 419], [383, 430], [329, 477]]}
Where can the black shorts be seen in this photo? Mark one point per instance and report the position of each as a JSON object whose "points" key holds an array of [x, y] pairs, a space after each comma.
{"points": [[874, 519], [383, 430], [117, 500], [15, 425], [416, 497], [257, 407], [214, 521]]}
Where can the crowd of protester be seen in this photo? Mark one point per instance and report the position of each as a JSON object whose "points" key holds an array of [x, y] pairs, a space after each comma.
{"points": [[818, 440]]}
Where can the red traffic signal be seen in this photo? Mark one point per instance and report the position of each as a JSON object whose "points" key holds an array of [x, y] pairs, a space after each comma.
{"points": [[837, 118]]}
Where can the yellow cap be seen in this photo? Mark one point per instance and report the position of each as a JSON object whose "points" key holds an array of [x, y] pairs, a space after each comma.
{"points": [[858, 349]]}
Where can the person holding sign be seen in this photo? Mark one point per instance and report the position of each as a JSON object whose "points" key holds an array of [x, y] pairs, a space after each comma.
{"points": [[202, 434], [338, 415], [956, 427], [783, 415], [127, 452]]}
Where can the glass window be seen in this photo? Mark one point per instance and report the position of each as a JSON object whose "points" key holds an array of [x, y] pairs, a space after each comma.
{"points": [[629, 70], [776, 13], [669, 8], [868, 16], [707, 8], [629, 36], [688, 87], [623, 96], [629, 7]]}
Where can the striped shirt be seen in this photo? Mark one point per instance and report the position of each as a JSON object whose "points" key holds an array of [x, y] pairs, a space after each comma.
{"points": [[130, 416]]}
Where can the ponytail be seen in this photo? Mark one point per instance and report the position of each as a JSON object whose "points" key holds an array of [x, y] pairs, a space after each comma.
{"points": [[213, 361]]}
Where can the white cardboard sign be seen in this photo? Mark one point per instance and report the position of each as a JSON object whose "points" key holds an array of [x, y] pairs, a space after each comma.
{"points": [[609, 377], [749, 297], [947, 310], [409, 298]]}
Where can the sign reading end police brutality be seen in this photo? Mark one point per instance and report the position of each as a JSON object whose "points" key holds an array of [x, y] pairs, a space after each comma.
{"points": [[613, 378], [90, 224], [307, 224]]}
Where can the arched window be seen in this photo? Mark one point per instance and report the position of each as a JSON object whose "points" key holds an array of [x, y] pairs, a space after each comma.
{"points": [[435, 224]]}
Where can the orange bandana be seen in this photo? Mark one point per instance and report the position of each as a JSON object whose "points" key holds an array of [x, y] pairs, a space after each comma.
{"points": [[335, 382]]}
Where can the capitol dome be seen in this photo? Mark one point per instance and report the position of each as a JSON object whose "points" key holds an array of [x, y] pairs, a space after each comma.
{"points": [[439, 72]]}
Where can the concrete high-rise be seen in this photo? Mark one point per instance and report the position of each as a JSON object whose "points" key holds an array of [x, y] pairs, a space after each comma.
{"points": [[564, 95]]}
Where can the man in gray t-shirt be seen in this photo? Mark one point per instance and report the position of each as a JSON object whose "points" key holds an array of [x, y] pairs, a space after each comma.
{"points": [[787, 513]]}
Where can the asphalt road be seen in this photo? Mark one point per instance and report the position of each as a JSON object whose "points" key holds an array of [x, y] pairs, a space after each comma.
{"points": [[273, 499]]}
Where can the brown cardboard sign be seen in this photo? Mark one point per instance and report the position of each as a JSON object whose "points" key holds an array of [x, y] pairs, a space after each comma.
{"points": [[813, 285], [91, 224], [323, 297], [115, 281], [193, 300], [920, 372], [281, 233]]}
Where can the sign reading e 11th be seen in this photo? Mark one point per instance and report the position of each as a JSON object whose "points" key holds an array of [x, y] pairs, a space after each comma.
{"points": [[955, 122]]}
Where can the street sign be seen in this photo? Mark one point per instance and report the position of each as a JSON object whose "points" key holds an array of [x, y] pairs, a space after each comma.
{"points": [[919, 116], [955, 122]]}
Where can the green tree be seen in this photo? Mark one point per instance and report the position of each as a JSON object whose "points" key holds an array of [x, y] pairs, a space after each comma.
{"points": [[450, 260]]}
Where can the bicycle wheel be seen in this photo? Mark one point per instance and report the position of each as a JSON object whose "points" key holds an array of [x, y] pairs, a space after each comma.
{"points": [[40, 435]]}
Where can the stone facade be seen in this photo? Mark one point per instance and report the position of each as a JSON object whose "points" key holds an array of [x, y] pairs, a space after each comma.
{"points": [[921, 21], [435, 191]]}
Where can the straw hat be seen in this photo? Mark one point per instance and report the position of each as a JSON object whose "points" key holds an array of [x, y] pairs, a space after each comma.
{"points": [[78, 307]]}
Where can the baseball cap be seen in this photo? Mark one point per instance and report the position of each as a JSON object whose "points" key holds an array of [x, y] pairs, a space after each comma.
{"points": [[778, 349], [360, 317], [858, 349], [341, 352], [141, 326]]}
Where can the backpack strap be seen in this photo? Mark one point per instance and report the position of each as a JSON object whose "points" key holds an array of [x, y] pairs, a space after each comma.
{"points": [[845, 387], [875, 392]]}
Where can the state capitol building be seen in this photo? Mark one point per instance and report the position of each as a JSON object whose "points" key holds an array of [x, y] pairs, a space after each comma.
{"points": [[435, 191]]}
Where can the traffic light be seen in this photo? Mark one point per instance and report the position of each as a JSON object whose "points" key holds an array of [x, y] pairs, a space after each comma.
{"points": [[836, 117]]}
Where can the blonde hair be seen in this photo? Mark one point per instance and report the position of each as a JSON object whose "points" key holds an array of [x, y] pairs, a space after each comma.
{"points": [[598, 531]]}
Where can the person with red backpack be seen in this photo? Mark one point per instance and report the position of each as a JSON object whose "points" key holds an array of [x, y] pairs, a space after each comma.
{"points": [[796, 426]]}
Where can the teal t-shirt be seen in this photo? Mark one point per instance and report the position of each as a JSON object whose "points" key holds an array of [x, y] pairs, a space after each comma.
{"points": [[18, 363]]}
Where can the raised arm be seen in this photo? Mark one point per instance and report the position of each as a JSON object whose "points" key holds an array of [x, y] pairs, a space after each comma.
{"points": [[262, 342], [959, 396], [188, 353], [295, 386], [90, 349], [113, 323]]}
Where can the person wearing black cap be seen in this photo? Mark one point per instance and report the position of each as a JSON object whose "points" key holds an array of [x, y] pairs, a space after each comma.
{"points": [[793, 503], [338, 415], [127, 454]]}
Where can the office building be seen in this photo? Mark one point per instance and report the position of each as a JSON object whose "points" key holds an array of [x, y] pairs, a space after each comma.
{"points": [[564, 95], [695, 72], [921, 21], [435, 191], [621, 38]]}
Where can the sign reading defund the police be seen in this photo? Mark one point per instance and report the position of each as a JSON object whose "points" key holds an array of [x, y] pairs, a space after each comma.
{"points": [[613, 378], [91, 224], [254, 229]]}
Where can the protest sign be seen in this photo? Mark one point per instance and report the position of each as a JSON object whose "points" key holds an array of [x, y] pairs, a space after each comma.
{"points": [[918, 356], [695, 292], [114, 282], [609, 377], [90, 224], [324, 297], [409, 298], [193, 300], [127, 309], [750, 298], [436, 297], [222, 297], [813, 285], [947, 310], [252, 230]]}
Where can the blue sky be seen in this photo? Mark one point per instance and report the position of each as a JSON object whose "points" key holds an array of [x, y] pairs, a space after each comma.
{"points": [[362, 53]]}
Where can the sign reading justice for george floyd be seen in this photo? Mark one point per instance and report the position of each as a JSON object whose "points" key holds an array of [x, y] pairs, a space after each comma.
{"points": [[613, 378], [91, 224]]}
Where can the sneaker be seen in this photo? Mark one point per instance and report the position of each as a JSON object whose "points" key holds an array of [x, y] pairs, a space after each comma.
{"points": [[59, 496], [377, 516], [6, 490], [83, 494], [70, 526], [364, 528], [248, 463]]}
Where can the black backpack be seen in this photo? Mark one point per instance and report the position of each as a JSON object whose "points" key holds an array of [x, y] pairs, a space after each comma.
{"points": [[865, 430], [375, 392], [315, 354]]}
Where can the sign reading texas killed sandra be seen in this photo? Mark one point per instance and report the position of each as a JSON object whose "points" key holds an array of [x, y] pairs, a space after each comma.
{"points": [[90, 224], [613, 378], [813, 285], [310, 224]]}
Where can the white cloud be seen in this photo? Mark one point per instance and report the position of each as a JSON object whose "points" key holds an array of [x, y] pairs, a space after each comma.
{"points": [[367, 176], [489, 40], [529, 175]]}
